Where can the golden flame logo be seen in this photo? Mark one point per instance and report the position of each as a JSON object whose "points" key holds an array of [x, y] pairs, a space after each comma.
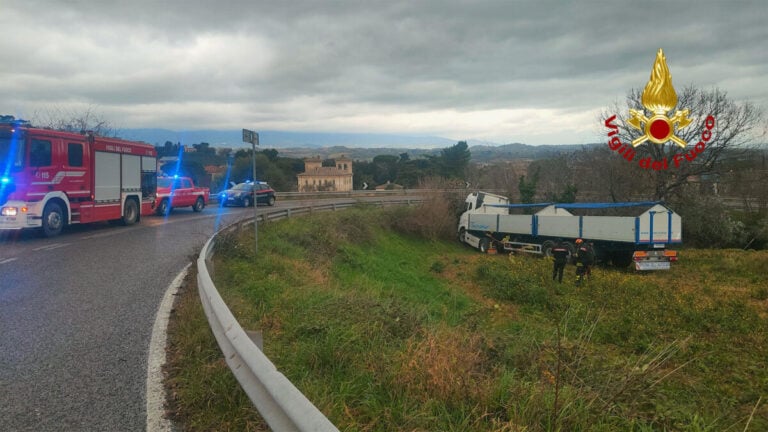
{"points": [[659, 97]]}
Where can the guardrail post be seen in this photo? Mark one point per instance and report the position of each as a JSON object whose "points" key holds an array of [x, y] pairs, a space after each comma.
{"points": [[288, 214], [257, 338]]}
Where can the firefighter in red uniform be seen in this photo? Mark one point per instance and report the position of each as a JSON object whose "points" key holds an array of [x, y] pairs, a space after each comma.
{"points": [[585, 257]]}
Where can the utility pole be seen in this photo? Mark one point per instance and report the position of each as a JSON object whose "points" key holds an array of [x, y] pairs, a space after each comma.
{"points": [[253, 138]]}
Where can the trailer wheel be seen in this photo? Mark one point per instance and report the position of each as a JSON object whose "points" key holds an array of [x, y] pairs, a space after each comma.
{"points": [[199, 205], [546, 248], [484, 245], [130, 212], [53, 219], [621, 259]]}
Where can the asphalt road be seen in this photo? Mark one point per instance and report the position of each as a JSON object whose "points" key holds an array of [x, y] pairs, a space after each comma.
{"points": [[76, 315]]}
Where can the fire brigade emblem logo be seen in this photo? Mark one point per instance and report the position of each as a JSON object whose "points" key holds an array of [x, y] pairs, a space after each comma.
{"points": [[659, 98]]}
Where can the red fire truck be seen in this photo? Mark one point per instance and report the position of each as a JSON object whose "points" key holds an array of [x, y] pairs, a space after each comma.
{"points": [[50, 179]]}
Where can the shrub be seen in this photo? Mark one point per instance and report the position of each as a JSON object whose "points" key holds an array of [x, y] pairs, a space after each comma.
{"points": [[435, 218], [708, 223], [503, 282]]}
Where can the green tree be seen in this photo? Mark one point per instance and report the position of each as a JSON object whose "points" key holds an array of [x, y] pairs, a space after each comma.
{"points": [[271, 154], [187, 168], [454, 160], [204, 148], [169, 149], [527, 187], [385, 168], [568, 195]]}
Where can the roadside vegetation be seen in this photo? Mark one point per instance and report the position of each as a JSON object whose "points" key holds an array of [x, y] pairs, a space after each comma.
{"points": [[384, 326]]}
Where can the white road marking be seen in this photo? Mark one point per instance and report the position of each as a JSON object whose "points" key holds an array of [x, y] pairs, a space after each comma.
{"points": [[7, 260], [51, 246], [156, 420], [103, 234]]}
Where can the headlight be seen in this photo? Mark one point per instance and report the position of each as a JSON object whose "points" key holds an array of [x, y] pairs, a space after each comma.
{"points": [[10, 211]]}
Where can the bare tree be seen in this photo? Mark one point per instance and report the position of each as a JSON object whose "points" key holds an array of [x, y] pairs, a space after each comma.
{"points": [[74, 121], [556, 179], [681, 146], [601, 176], [500, 177]]}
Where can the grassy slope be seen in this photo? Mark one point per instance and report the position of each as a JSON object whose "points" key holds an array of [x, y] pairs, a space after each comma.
{"points": [[387, 332]]}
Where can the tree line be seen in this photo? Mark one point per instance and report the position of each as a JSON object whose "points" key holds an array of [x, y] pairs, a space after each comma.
{"points": [[281, 172]]}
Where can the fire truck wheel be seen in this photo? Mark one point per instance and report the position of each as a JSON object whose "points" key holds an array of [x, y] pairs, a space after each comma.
{"points": [[53, 219], [199, 205], [163, 208], [130, 213]]}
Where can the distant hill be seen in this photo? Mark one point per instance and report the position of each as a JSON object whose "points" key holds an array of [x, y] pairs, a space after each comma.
{"points": [[279, 139], [480, 153], [356, 153], [358, 146], [484, 153]]}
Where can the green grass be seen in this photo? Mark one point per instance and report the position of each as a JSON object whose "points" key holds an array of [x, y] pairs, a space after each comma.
{"points": [[384, 331]]}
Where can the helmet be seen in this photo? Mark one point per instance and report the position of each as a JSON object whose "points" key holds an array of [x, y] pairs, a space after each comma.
{"points": [[579, 241]]}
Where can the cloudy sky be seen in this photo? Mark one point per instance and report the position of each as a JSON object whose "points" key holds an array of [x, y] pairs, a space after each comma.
{"points": [[536, 72]]}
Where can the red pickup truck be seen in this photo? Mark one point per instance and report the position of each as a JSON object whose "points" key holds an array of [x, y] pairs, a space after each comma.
{"points": [[179, 192]]}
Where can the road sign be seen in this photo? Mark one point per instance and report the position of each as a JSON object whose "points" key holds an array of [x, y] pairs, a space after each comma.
{"points": [[365, 185], [250, 136]]}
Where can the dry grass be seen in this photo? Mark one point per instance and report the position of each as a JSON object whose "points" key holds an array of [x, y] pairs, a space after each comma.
{"points": [[443, 363]]}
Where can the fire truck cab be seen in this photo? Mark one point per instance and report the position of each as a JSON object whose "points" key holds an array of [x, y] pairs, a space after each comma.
{"points": [[50, 179]]}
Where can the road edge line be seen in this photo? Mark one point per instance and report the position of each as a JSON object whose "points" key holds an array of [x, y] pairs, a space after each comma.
{"points": [[155, 389]]}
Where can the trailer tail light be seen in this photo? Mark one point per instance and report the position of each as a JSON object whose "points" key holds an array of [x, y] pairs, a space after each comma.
{"points": [[639, 255], [672, 255]]}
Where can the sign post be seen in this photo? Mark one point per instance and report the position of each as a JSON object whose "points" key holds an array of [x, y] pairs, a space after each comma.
{"points": [[253, 138]]}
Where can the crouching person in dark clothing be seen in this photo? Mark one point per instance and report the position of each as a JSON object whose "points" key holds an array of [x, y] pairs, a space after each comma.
{"points": [[560, 254]]}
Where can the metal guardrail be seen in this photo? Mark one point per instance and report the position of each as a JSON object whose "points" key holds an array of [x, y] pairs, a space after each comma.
{"points": [[351, 194], [279, 402]]}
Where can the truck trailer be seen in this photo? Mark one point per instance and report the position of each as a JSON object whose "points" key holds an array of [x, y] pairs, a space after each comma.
{"points": [[643, 238]]}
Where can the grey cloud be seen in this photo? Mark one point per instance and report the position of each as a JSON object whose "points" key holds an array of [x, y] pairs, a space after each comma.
{"points": [[418, 56]]}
